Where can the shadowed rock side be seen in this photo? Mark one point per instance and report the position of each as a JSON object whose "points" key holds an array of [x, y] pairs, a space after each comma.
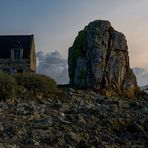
{"points": [[99, 60]]}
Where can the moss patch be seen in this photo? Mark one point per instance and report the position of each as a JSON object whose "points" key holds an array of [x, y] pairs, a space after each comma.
{"points": [[82, 74], [78, 46], [77, 49]]}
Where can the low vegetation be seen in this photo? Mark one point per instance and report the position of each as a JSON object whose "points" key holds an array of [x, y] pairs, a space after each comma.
{"points": [[36, 84], [7, 86]]}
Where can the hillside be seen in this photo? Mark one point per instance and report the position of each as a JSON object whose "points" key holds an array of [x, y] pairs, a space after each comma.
{"points": [[74, 118]]}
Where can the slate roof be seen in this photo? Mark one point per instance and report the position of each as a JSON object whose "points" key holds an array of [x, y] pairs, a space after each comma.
{"points": [[15, 41]]}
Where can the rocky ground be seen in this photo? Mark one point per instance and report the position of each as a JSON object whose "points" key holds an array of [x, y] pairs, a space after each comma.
{"points": [[74, 118]]}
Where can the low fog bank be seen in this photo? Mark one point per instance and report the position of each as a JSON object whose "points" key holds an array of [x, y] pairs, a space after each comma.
{"points": [[142, 75], [54, 65]]}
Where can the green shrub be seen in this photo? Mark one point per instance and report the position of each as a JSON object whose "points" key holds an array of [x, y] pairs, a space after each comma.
{"points": [[7, 86], [36, 83]]}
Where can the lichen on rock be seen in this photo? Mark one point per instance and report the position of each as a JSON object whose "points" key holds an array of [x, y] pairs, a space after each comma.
{"points": [[102, 53]]}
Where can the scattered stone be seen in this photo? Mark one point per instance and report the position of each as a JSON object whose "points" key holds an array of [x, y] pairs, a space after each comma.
{"points": [[42, 123], [85, 119]]}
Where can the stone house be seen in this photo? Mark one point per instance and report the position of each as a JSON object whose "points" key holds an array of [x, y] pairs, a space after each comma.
{"points": [[17, 54]]}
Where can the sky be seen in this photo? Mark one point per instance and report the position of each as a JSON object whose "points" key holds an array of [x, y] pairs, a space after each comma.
{"points": [[55, 23]]}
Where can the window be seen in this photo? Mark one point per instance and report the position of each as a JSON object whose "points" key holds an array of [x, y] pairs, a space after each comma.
{"points": [[12, 70], [6, 70], [17, 54], [19, 70]]}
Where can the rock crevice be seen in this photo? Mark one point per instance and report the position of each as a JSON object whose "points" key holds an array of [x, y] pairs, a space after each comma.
{"points": [[99, 60]]}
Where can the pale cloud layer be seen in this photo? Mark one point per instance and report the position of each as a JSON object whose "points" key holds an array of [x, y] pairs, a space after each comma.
{"points": [[142, 76], [54, 65]]}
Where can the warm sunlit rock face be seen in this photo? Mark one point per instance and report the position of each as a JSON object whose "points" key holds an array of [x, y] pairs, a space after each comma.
{"points": [[99, 60]]}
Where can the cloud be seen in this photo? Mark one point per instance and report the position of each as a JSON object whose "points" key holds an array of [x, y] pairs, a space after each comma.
{"points": [[54, 65], [142, 75]]}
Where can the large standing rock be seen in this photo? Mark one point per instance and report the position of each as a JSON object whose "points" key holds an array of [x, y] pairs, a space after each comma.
{"points": [[99, 60]]}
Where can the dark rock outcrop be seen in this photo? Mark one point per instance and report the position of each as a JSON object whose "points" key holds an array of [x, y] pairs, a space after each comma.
{"points": [[99, 60]]}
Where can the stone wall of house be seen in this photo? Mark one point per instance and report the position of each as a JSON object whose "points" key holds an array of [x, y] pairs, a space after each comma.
{"points": [[15, 66], [32, 58]]}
